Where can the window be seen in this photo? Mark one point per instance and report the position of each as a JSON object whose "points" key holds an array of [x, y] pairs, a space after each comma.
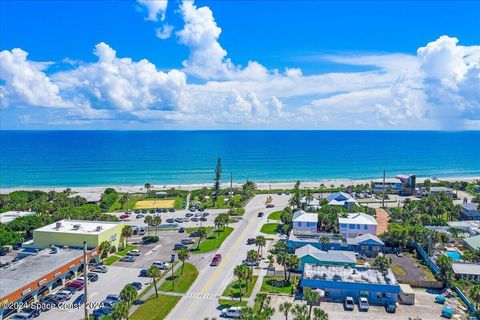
{"points": [[365, 227], [299, 224], [343, 225], [358, 226], [351, 226]]}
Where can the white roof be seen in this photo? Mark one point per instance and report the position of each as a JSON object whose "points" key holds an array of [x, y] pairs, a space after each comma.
{"points": [[326, 256], [9, 216], [302, 216], [466, 268], [340, 196], [358, 218], [78, 226], [364, 237], [348, 274], [89, 196]]}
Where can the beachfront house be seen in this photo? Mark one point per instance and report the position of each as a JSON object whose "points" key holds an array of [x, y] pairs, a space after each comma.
{"points": [[357, 224], [423, 192], [304, 222], [470, 211], [466, 271], [311, 254], [341, 199]]}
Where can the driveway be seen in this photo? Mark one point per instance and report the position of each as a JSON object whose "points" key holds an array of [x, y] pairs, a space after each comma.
{"points": [[414, 270]]}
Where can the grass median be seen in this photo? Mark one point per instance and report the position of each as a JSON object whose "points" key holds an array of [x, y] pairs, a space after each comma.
{"points": [[233, 289], [183, 281], [213, 241], [155, 308], [275, 215], [270, 228], [276, 285]]}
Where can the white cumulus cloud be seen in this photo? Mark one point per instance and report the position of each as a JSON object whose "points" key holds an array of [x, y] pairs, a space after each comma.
{"points": [[155, 8]]}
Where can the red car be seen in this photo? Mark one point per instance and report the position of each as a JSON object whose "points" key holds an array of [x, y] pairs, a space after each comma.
{"points": [[216, 260], [124, 216], [77, 285]]}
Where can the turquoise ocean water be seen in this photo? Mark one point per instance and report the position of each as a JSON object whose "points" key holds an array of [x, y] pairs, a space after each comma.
{"points": [[90, 158]]}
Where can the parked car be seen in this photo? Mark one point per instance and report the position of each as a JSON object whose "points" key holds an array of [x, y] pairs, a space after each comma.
{"points": [[360, 256], [92, 276], [203, 219], [179, 246], [144, 211], [232, 312], [192, 209], [113, 296], [179, 220], [201, 209], [128, 259], [186, 219], [158, 210], [188, 214], [142, 231], [137, 211], [65, 293], [216, 260], [151, 211], [124, 216], [198, 214], [162, 265], [270, 205], [390, 307], [251, 241], [101, 312], [181, 230], [205, 214], [144, 273], [139, 216], [194, 219], [22, 316], [187, 241], [363, 304], [250, 263], [32, 311], [194, 234], [260, 214], [100, 268], [77, 285], [349, 303], [171, 210], [137, 285], [134, 252], [170, 220], [79, 300]]}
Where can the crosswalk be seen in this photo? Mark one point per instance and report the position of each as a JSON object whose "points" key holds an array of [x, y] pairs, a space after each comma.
{"points": [[202, 295]]}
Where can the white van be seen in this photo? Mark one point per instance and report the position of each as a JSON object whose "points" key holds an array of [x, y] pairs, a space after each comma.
{"points": [[233, 312]]}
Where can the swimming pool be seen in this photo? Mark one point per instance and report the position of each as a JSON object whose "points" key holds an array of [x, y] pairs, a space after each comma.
{"points": [[455, 255]]}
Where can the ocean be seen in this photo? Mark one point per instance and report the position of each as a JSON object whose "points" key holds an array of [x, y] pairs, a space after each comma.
{"points": [[99, 158]]}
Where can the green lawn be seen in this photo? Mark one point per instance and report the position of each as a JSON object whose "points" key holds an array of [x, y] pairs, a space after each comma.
{"points": [[234, 285], [190, 230], [150, 286], [182, 281], [213, 241], [276, 285], [111, 260], [275, 215], [124, 252], [225, 303], [220, 204], [155, 308], [270, 228]]}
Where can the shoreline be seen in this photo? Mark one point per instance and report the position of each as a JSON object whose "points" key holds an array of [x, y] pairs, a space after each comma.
{"points": [[188, 187]]}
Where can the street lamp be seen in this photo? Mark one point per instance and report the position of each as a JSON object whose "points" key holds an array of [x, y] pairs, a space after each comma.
{"points": [[172, 260]]}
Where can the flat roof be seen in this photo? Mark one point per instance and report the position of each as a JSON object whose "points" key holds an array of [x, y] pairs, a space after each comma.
{"points": [[9, 216], [78, 226], [348, 274], [32, 268], [466, 268], [387, 180]]}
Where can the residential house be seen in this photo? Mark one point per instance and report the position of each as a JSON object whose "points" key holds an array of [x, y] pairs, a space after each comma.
{"points": [[473, 242], [310, 254], [367, 244], [356, 224], [304, 222], [341, 199], [470, 211], [423, 192]]}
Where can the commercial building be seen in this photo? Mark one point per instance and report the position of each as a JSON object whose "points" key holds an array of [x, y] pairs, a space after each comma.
{"points": [[339, 282], [423, 192], [356, 224], [310, 254], [73, 233], [466, 271], [9, 216], [39, 273], [404, 184], [470, 211], [304, 222]]}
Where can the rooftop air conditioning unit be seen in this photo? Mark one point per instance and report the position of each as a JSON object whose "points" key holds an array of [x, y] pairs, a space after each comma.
{"points": [[99, 228], [58, 225], [76, 226]]}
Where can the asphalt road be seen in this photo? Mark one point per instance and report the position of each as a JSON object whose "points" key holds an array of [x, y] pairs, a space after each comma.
{"points": [[202, 298]]}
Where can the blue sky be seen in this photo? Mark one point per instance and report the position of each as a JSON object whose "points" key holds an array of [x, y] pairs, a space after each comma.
{"points": [[353, 65]]}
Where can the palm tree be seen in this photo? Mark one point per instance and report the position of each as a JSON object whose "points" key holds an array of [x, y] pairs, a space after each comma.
{"points": [[260, 242], [300, 312], [285, 307], [157, 220], [382, 263], [128, 295], [239, 272], [202, 233], [183, 255], [148, 221], [260, 298], [444, 263], [252, 255], [153, 272], [104, 249], [312, 296], [282, 260], [120, 311], [292, 262], [475, 294], [127, 232], [319, 314], [148, 186]]}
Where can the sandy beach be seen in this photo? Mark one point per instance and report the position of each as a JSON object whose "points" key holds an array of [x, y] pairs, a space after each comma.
{"points": [[260, 185]]}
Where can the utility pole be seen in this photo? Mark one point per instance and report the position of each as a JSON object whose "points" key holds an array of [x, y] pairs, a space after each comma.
{"points": [[383, 196], [85, 277]]}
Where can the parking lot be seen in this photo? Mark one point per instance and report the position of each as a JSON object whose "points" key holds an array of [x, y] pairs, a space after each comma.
{"points": [[111, 282], [140, 222], [424, 308]]}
